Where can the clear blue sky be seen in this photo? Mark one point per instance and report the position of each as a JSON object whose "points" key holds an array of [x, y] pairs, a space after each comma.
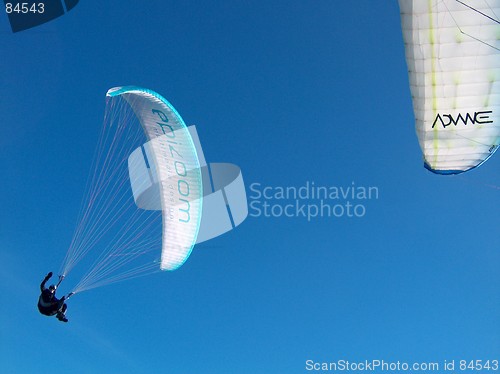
{"points": [[291, 91]]}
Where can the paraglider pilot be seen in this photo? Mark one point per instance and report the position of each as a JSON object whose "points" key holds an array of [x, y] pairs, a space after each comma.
{"points": [[48, 303]]}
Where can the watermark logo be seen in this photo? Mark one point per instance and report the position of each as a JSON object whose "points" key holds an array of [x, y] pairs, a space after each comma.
{"points": [[24, 15], [224, 196], [310, 201]]}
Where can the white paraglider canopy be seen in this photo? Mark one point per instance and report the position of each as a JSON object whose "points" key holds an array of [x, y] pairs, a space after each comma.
{"points": [[453, 57], [110, 220]]}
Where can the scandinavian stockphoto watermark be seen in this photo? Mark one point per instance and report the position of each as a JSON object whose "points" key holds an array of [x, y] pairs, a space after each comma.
{"points": [[378, 365], [311, 201]]}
